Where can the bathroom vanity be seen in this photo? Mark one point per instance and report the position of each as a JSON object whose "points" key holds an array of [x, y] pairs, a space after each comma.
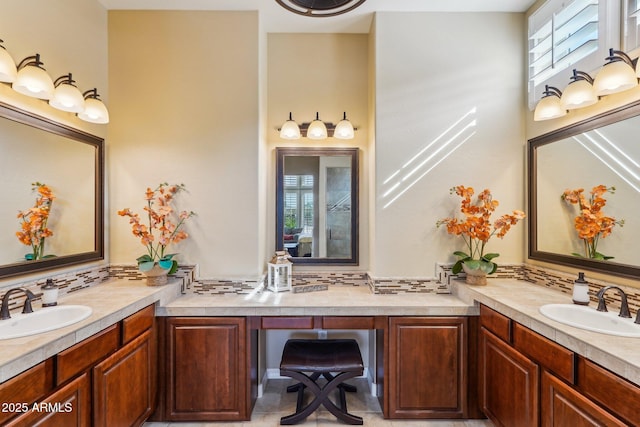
{"points": [[481, 350]]}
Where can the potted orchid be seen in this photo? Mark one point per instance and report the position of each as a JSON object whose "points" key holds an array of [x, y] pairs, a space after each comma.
{"points": [[164, 226], [476, 229], [592, 224], [33, 229]]}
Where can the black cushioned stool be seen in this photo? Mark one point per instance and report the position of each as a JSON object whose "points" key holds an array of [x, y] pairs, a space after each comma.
{"points": [[321, 358]]}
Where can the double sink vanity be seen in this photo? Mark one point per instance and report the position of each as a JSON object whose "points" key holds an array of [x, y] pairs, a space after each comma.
{"points": [[190, 357]]}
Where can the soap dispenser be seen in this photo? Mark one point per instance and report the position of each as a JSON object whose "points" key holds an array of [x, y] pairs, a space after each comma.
{"points": [[49, 294], [580, 290]]}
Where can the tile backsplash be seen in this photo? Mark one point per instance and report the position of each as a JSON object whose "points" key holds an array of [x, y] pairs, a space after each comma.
{"points": [[441, 283]]}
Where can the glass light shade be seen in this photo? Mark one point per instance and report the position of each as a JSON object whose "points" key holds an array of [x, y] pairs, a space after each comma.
{"points": [[8, 71], [94, 111], [548, 108], [290, 130], [33, 81], [578, 94], [67, 97], [317, 130], [344, 130], [615, 77]]}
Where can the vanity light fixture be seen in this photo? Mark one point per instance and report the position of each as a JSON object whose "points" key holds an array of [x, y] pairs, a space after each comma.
{"points": [[94, 110], [549, 106], [344, 129], [8, 71], [317, 129], [617, 75], [290, 129], [580, 92], [32, 79], [67, 96]]}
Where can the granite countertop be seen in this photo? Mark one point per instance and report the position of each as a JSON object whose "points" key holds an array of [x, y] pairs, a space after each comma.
{"points": [[520, 301], [110, 301], [339, 300]]}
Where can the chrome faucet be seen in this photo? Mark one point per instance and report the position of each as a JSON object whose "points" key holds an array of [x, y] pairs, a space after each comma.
{"points": [[4, 310], [624, 305]]}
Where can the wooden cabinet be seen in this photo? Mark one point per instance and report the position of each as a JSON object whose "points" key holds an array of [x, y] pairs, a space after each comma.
{"points": [[562, 405], [528, 379], [122, 385], [114, 372], [426, 367], [207, 368], [508, 383], [69, 406]]}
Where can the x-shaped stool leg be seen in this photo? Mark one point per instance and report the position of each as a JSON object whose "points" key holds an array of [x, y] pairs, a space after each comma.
{"points": [[321, 397]]}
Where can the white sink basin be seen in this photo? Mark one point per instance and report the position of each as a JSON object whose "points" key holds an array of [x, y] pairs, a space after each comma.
{"points": [[590, 319], [42, 320]]}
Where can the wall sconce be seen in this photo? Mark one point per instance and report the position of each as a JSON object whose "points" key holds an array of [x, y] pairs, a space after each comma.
{"points": [[8, 71], [580, 92], [290, 129], [94, 110], [66, 96], [549, 106], [32, 79], [317, 129], [617, 75], [344, 129]]}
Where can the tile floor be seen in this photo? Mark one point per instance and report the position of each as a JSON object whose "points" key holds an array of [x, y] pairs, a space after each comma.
{"points": [[276, 402]]}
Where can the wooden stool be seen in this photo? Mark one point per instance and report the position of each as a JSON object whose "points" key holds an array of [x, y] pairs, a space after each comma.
{"points": [[321, 358]]}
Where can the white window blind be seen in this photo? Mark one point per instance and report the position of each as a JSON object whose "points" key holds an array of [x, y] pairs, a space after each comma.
{"points": [[568, 34], [560, 35], [632, 27]]}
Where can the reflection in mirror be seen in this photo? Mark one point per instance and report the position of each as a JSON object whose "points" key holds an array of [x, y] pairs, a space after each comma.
{"points": [[317, 204], [601, 151], [69, 162]]}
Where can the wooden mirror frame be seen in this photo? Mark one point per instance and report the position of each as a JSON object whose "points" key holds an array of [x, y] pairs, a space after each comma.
{"points": [[604, 119], [29, 119], [281, 153]]}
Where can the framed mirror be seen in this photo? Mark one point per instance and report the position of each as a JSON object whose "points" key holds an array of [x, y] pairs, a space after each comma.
{"points": [[71, 165], [601, 151], [317, 204]]}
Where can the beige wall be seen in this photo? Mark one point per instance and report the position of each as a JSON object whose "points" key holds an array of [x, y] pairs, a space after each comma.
{"points": [[185, 109], [431, 82], [70, 36], [327, 73]]}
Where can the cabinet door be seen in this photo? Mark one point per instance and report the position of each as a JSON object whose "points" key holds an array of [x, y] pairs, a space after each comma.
{"points": [[207, 369], [509, 383], [122, 385], [426, 360], [562, 406], [69, 406]]}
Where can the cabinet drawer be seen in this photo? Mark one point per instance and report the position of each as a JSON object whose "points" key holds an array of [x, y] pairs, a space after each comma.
{"points": [[25, 388], [343, 322], [288, 322], [137, 323], [86, 353], [495, 322], [550, 355], [617, 394]]}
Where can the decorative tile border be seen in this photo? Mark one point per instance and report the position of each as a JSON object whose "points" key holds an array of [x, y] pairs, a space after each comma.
{"points": [[563, 282], [67, 283], [73, 281]]}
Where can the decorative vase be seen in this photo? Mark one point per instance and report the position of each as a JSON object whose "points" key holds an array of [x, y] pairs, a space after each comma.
{"points": [[475, 276], [157, 276]]}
